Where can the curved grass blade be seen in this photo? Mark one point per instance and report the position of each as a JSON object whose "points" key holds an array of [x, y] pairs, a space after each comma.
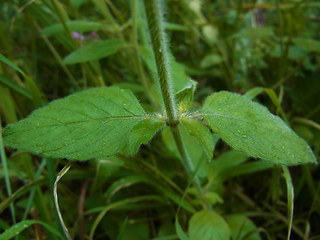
{"points": [[19, 227], [56, 202], [290, 198]]}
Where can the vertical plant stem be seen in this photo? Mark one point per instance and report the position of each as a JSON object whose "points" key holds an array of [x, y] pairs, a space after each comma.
{"points": [[158, 39], [6, 174]]}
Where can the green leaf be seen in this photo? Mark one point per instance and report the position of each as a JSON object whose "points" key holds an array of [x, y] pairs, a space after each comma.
{"points": [[203, 134], [19, 227], [94, 51], [252, 93], [261, 32], [181, 234], [184, 98], [91, 124], [308, 44], [210, 60], [242, 228], [76, 26], [249, 127], [143, 132], [208, 225]]}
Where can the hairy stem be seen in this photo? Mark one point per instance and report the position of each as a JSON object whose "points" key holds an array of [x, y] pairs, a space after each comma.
{"points": [[158, 38]]}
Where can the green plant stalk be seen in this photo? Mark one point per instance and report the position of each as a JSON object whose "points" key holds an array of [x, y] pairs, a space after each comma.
{"points": [[158, 39], [6, 174]]}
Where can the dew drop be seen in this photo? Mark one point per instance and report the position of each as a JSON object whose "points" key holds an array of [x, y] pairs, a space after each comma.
{"points": [[283, 147], [238, 131], [219, 109], [160, 50], [245, 136]]}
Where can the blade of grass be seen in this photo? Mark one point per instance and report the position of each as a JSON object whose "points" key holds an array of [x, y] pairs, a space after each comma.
{"points": [[12, 85], [119, 204], [33, 191], [56, 202], [15, 229], [6, 175]]}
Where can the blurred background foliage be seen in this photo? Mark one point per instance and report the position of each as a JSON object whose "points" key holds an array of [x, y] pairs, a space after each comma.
{"points": [[222, 45]]}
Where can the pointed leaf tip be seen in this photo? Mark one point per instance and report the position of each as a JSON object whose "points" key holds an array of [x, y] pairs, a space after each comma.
{"points": [[249, 127]]}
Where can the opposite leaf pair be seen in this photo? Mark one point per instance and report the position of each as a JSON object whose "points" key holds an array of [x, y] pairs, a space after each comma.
{"points": [[101, 122]]}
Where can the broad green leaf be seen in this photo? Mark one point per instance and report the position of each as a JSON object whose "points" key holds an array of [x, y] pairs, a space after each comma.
{"points": [[249, 127], [76, 26], [19, 227], [242, 228], [91, 124], [143, 132], [203, 134], [252, 93], [208, 225], [94, 51]]}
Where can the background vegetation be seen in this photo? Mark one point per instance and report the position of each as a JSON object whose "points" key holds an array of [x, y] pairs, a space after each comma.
{"points": [[222, 45]]}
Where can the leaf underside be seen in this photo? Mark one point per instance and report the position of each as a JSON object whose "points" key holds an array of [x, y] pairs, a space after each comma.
{"points": [[91, 124], [249, 127]]}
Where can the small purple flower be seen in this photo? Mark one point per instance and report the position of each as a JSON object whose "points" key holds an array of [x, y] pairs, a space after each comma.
{"points": [[76, 35]]}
